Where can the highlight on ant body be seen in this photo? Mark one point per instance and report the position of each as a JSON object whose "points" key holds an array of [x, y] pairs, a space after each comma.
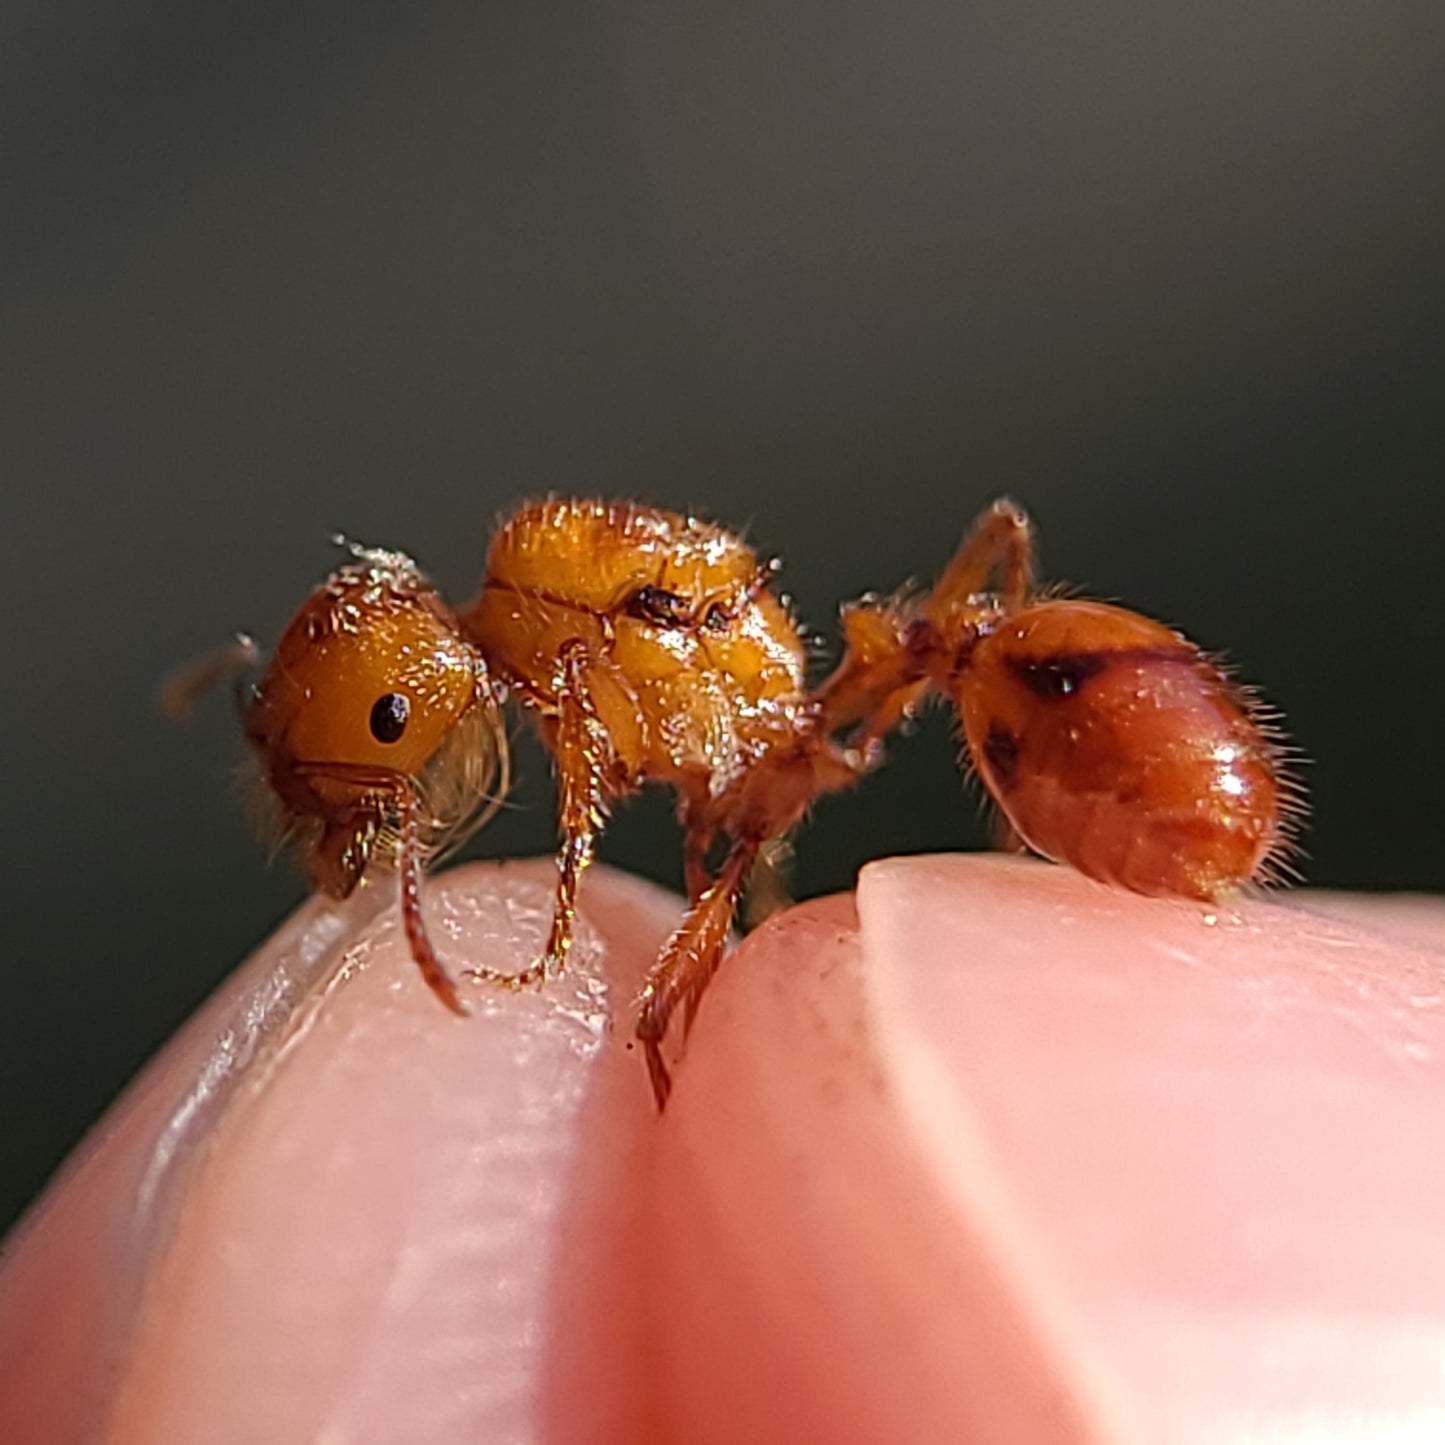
{"points": [[377, 729]]}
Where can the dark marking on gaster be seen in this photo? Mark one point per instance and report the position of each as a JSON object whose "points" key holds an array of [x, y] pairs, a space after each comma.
{"points": [[1061, 675], [1064, 673], [1001, 753]]}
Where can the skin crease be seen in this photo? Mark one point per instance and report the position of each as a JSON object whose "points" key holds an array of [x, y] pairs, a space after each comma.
{"points": [[985, 1151]]}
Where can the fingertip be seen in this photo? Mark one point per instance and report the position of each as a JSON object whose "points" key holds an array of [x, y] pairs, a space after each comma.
{"points": [[991, 1152], [821, 1287], [75, 1268], [1012, 1155], [401, 1225], [1215, 1126]]}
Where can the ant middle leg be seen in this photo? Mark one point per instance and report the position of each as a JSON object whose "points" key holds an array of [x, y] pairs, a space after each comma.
{"points": [[580, 750]]}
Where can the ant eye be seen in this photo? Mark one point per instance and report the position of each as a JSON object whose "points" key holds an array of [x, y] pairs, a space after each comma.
{"points": [[653, 604], [389, 715]]}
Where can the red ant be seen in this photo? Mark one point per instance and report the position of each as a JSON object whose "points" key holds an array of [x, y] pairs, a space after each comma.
{"points": [[649, 647]]}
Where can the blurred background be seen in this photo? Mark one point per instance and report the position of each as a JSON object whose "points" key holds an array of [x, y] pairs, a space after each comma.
{"points": [[838, 273]]}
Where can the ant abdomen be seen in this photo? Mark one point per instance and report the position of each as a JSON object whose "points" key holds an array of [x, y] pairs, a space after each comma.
{"points": [[1113, 744]]}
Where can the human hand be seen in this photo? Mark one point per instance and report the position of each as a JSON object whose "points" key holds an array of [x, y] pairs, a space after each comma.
{"points": [[991, 1153]]}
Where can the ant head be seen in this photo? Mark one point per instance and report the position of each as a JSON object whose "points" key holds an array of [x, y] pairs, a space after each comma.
{"points": [[374, 706]]}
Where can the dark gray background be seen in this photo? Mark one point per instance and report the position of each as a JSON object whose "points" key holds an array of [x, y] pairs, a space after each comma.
{"points": [[1170, 273]]}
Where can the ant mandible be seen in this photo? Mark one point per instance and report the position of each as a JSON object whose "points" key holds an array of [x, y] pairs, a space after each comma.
{"points": [[649, 647]]}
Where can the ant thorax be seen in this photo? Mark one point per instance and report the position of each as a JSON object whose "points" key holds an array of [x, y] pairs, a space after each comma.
{"points": [[662, 629]]}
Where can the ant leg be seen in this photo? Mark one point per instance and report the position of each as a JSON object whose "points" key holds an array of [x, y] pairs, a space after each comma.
{"points": [[882, 679], [580, 749], [697, 842], [770, 887], [437, 978], [874, 683], [1000, 543], [689, 960], [893, 649]]}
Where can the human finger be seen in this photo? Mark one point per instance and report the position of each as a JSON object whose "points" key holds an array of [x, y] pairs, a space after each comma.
{"points": [[999, 1154], [332, 1210]]}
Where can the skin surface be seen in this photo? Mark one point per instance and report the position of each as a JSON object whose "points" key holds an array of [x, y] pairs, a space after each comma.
{"points": [[985, 1151]]}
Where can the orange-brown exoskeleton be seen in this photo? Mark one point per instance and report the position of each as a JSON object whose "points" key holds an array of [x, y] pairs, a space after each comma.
{"points": [[649, 647], [378, 730], [1108, 741]]}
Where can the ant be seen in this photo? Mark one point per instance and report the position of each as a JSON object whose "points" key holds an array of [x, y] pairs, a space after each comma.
{"points": [[649, 647]]}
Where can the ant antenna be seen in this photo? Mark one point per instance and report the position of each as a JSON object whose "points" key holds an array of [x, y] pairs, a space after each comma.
{"points": [[183, 690]]}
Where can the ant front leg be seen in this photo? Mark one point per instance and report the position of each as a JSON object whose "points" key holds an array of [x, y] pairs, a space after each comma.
{"points": [[688, 962], [409, 867], [580, 749]]}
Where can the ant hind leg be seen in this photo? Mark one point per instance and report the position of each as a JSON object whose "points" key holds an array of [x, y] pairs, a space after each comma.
{"points": [[769, 888], [894, 648], [690, 959], [999, 546]]}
